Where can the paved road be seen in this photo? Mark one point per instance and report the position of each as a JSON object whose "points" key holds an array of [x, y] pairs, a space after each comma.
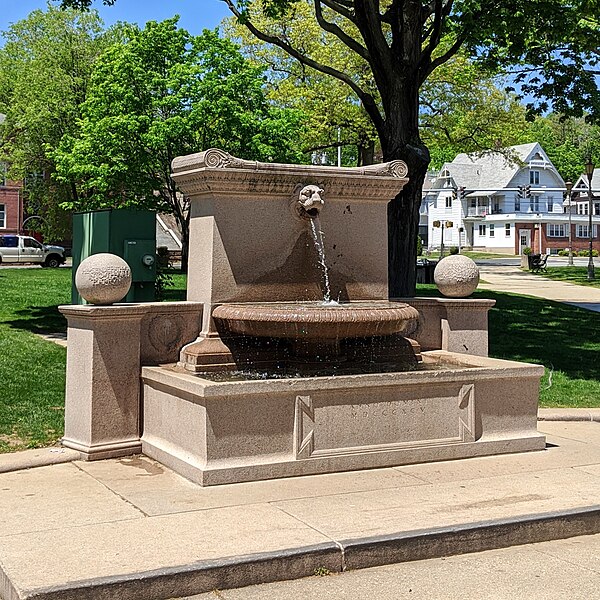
{"points": [[512, 279]]}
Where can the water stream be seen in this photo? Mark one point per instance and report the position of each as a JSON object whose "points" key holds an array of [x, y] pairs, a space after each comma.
{"points": [[315, 226]]}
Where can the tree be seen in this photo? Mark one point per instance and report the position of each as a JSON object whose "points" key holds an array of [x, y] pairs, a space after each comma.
{"points": [[405, 41], [463, 110], [45, 68], [569, 142], [334, 115], [159, 94], [461, 107]]}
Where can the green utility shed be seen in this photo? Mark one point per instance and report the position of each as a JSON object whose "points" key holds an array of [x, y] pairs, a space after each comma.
{"points": [[130, 234]]}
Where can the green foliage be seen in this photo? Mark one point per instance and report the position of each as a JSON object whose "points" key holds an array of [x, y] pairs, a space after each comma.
{"points": [[330, 109], [419, 246], [163, 93], [527, 251], [568, 143], [453, 250], [45, 68]]}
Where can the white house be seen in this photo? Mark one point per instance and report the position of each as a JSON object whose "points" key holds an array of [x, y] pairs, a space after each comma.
{"points": [[501, 202]]}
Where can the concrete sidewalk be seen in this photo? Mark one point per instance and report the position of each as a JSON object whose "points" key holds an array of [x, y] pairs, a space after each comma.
{"points": [[513, 279], [133, 530]]}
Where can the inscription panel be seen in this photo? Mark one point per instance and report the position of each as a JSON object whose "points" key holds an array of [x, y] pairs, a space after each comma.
{"points": [[330, 424]]}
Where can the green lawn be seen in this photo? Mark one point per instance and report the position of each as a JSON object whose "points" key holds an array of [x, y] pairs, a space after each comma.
{"points": [[32, 370], [577, 275], [565, 339]]}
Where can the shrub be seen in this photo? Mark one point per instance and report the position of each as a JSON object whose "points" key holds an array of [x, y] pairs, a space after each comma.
{"points": [[419, 246], [563, 253], [527, 251], [453, 250]]}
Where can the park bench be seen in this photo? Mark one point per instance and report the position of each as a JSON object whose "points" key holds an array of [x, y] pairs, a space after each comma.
{"points": [[538, 262]]}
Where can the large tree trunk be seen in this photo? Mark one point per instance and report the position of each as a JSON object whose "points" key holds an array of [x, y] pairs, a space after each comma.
{"points": [[400, 140], [366, 153], [185, 243]]}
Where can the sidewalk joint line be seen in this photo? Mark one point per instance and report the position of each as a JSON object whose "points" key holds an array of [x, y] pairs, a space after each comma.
{"points": [[128, 502]]}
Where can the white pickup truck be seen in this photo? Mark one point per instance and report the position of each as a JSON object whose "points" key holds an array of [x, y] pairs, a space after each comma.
{"points": [[24, 249]]}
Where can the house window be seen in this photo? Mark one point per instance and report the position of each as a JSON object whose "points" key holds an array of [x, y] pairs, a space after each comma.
{"points": [[507, 230], [582, 208], [448, 201], [2, 216], [556, 230], [534, 177], [597, 208], [583, 231], [482, 230], [550, 203], [517, 204], [492, 227], [534, 204]]}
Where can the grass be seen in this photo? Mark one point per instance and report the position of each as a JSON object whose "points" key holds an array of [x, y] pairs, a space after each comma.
{"points": [[32, 370], [565, 339], [576, 275]]}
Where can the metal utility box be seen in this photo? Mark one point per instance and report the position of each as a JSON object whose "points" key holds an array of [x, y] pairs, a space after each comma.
{"points": [[130, 234]]}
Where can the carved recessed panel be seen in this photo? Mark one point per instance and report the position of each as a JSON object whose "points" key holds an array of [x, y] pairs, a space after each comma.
{"points": [[377, 424]]}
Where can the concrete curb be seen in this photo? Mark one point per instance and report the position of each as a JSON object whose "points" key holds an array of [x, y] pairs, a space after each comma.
{"points": [[470, 537], [42, 457], [569, 414], [203, 576], [335, 557]]}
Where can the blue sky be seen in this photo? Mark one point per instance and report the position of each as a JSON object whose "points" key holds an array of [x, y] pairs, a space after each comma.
{"points": [[196, 15]]}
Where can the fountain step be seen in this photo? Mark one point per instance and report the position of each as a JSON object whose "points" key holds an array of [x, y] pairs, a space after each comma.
{"points": [[134, 530]]}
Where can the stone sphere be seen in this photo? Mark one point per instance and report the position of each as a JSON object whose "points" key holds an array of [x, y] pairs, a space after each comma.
{"points": [[456, 276], [103, 278]]}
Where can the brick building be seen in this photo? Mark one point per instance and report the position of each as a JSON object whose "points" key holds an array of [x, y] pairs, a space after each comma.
{"points": [[11, 201]]}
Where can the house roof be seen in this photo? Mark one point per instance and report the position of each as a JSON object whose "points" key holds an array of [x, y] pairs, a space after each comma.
{"points": [[492, 170], [584, 180]]}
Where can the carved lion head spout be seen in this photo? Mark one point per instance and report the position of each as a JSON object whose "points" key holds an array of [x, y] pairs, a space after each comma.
{"points": [[310, 201]]}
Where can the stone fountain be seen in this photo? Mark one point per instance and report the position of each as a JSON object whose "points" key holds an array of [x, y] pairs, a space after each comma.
{"points": [[289, 358]]}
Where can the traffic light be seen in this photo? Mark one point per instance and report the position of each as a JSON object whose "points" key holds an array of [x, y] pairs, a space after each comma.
{"points": [[521, 192], [454, 195], [461, 192], [527, 189]]}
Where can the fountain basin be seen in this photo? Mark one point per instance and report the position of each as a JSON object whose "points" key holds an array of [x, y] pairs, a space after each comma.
{"points": [[316, 320], [217, 432]]}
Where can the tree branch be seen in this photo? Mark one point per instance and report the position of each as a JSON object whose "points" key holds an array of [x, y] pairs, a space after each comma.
{"points": [[339, 32], [369, 23], [440, 60], [441, 11], [366, 98], [344, 9]]}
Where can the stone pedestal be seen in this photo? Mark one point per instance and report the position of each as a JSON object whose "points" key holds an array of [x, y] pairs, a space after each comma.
{"points": [[454, 325], [107, 346]]}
